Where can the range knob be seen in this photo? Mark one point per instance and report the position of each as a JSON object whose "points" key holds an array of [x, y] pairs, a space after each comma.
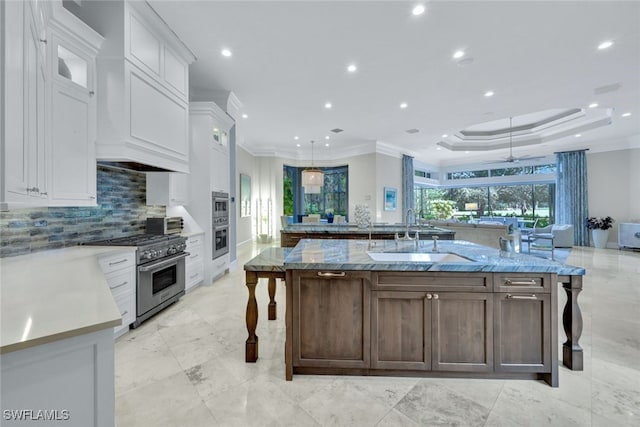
{"points": [[171, 250], [147, 255]]}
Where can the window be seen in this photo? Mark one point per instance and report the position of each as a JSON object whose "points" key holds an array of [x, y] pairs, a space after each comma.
{"points": [[333, 194]]}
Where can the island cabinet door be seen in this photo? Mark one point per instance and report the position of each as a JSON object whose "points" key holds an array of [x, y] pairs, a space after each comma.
{"points": [[331, 319], [400, 330], [523, 339], [462, 331]]}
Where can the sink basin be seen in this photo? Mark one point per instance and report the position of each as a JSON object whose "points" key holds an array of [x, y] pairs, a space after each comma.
{"points": [[416, 257]]}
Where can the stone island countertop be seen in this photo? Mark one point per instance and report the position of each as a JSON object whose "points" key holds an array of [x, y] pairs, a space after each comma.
{"points": [[337, 254], [354, 229], [51, 295]]}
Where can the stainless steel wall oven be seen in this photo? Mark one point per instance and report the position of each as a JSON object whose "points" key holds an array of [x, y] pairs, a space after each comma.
{"points": [[220, 224]]}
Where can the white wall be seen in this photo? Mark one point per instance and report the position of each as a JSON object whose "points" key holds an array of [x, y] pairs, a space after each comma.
{"points": [[368, 175], [614, 186], [245, 164]]}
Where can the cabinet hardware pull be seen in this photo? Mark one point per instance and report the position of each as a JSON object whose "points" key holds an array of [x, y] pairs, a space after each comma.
{"points": [[193, 275], [530, 282], [118, 262], [435, 296], [429, 296], [91, 93], [92, 197], [637, 234], [43, 41], [124, 313], [120, 285], [509, 296], [194, 256], [44, 194], [331, 274]]}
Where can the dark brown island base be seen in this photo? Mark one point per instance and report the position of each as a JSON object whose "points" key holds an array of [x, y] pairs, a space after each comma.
{"points": [[293, 233], [349, 314]]}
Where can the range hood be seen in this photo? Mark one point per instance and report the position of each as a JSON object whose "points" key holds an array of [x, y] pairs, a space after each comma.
{"points": [[132, 166]]}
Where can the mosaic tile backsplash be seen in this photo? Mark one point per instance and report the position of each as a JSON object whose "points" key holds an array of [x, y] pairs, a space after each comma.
{"points": [[121, 211]]}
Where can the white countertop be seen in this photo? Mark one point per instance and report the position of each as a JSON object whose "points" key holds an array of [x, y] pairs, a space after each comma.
{"points": [[51, 295]]}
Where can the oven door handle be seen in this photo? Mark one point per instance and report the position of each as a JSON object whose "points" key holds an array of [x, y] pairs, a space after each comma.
{"points": [[164, 263]]}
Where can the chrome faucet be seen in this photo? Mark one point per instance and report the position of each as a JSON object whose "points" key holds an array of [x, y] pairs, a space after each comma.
{"points": [[435, 244], [406, 219]]}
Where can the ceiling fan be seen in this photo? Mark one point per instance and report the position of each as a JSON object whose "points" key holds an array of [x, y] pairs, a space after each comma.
{"points": [[511, 158]]}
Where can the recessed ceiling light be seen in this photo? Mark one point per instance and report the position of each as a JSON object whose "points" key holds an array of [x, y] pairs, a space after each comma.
{"points": [[326, 145], [226, 52], [578, 135], [403, 105], [466, 152], [244, 116], [458, 54], [418, 10], [488, 94], [326, 137], [296, 137], [328, 105], [352, 68], [438, 148], [626, 114], [593, 105], [605, 45], [444, 135], [297, 145]]}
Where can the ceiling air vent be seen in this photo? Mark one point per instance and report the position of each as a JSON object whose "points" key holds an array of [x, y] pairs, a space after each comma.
{"points": [[412, 131], [607, 88], [337, 130]]}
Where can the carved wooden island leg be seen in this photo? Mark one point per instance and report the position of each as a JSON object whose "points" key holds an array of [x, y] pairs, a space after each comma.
{"points": [[272, 298], [251, 347], [572, 355]]}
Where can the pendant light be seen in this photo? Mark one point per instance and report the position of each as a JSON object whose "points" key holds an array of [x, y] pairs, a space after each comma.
{"points": [[313, 178]]}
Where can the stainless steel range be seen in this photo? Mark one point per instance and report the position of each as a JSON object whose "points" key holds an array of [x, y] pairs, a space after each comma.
{"points": [[160, 263]]}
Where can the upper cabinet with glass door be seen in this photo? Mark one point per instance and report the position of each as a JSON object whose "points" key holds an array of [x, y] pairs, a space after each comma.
{"points": [[72, 149]]}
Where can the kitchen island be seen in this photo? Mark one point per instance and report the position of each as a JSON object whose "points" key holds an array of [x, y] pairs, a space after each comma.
{"points": [[57, 319], [472, 314], [293, 233]]}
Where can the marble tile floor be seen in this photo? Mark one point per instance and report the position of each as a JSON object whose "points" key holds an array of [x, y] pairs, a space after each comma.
{"points": [[185, 367]]}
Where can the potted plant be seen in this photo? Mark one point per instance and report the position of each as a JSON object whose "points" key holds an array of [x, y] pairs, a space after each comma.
{"points": [[599, 230], [329, 213]]}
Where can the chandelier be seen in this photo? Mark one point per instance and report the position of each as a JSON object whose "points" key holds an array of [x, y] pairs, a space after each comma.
{"points": [[313, 178]]}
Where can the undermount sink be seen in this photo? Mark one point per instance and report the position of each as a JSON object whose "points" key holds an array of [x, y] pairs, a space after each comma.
{"points": [[416, 257]]}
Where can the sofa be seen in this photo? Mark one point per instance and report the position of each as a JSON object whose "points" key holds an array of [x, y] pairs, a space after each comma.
{"points": [[562, 234]]}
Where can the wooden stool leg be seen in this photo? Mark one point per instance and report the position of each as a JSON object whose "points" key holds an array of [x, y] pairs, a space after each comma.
{"points": [[272, 299], [251, 346]]}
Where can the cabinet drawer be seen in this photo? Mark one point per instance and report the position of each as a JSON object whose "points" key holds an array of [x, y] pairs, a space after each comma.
{"points": [[121, 282], [116, 261], [194, 274], [195, 255], [127, 306], [436, 281], [193, 241], [523, 282]]}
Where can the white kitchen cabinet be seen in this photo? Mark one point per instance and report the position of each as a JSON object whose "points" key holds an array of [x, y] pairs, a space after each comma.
{"points": [[209, 172], [73, 377], [119, 269], [167, 188], [24, 79], [143, 79], [194, 264], [71, 149]]}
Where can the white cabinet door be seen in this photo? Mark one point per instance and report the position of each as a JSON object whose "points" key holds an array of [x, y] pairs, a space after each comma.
{"points": [[24, 73], [167, 188], [72, 149], [220, 168], [194, 264]]}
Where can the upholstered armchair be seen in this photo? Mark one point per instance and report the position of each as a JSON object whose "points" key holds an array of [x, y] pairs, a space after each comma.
{"points": [[562, 234]]}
